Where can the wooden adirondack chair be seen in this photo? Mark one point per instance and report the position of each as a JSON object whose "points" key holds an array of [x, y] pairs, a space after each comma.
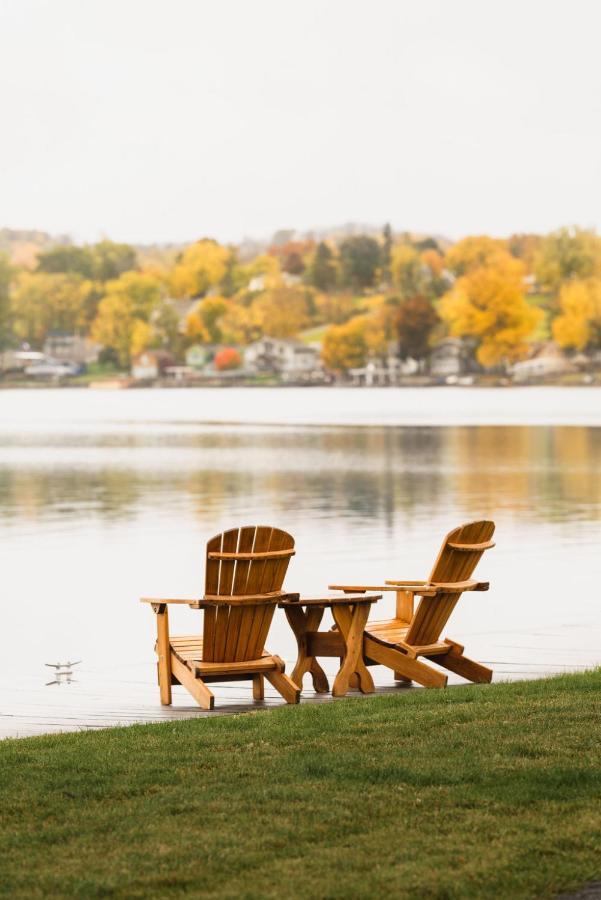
{"points": [[400, 642], [245, 570]]}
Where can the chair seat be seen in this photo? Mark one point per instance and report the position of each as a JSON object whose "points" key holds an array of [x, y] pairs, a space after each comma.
{"points": [[188, 649], [390, 631]]}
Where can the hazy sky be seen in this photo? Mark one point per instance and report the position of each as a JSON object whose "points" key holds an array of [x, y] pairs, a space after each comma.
{"points": [[167, 120]]}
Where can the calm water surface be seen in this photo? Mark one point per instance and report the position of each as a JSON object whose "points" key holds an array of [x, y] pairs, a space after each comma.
{"points": [[107, 496]]}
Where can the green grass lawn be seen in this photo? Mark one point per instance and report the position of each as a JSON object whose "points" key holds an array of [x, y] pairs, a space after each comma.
{"points": [[488, 791]]}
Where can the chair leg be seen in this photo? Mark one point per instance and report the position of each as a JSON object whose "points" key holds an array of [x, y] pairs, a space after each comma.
{"points": [[258, 687], [192, 683], [401, 664], [284, 685], [398, 676], [467, 668]]}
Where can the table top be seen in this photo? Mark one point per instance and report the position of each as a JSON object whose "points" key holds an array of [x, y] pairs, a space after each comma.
{"points": [[338, 600]]}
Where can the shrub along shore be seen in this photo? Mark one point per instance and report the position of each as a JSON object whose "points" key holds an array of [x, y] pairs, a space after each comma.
{"points": [[477, 791]]}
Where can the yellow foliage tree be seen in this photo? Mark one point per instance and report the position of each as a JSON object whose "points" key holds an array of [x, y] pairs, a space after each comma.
{"points": [[474, 252], [44, 301], [123, 320], [579, 324], [203, 323], [141, 337], [488, 304], [349, 346], [407, 269], [201, 266], [281, 312]]}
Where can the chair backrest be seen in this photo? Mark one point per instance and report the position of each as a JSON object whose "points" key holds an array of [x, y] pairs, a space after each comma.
{"points": [[459, 555], [241, 564]]}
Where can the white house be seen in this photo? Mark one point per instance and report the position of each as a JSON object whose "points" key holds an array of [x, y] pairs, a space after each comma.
{"points": [[548, 360], [448, 358], [284, 357], [71, 348]]}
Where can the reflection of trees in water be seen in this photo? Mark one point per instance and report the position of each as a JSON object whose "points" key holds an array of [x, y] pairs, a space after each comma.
{"points": [[357, 473], [552, 472]]}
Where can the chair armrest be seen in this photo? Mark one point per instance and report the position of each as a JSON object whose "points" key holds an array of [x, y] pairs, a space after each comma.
{"points": [[406, 584], [222, 600], [360, 588], [161, 601], [458, 586]]}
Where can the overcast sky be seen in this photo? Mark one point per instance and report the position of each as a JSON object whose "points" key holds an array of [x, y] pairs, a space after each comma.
{"points": [[167, 120]]}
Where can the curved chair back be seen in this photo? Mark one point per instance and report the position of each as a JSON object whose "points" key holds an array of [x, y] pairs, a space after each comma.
{"points": [[459, 555], [245, 570]]}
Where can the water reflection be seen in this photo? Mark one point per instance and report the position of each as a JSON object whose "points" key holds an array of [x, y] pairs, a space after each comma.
{"points": [[543, 473]]}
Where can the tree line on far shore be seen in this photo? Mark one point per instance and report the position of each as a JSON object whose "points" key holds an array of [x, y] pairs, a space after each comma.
{"points": [[362, 297]]}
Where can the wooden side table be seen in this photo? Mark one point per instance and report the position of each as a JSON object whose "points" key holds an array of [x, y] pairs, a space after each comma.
{"points": [[350, 613]]}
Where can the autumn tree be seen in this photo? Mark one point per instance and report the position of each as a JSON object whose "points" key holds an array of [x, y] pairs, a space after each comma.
{"points": [[44, 302], [202, 265], [488, 305], [203, 322], [359, 261], [349, 346], [124, 323], [416, 320], [473, 252], [6, 323], [226, 359], [408, 270], [238, 326], [322, 271], [282, 311], [579, 324], [334, 308], [566, 254]]}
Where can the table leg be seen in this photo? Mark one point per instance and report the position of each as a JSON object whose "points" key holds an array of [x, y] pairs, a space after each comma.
{"points": [[301, 622], [352, 625]]}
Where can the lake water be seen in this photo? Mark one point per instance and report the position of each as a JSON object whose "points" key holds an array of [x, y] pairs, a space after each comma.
{"points": [[108, 496]]}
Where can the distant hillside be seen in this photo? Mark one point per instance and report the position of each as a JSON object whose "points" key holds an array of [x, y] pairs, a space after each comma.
{"points": [[23, 245]]}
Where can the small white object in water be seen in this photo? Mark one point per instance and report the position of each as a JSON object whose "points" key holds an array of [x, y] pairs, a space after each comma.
{"points": [[64, 672]]}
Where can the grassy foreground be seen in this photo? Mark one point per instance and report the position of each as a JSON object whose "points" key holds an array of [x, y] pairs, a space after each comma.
{"points": [[488, 791]]}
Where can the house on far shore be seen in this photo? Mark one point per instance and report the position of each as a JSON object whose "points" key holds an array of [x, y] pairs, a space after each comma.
{"points": [[449, 358], [198, 356], [548, 360], [388, 372], [279, 356], [73, 348], [150, 364]]}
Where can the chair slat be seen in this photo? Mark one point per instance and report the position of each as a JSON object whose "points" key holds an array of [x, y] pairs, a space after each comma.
{"points": [[458, 557], [467, 548], [269, 554]]}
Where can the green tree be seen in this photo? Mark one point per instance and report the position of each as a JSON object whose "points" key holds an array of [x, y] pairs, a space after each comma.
{"points": [[110, 260], [322, 271], [73, 259], [359, 261], [386, 253], [566, 254]]}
